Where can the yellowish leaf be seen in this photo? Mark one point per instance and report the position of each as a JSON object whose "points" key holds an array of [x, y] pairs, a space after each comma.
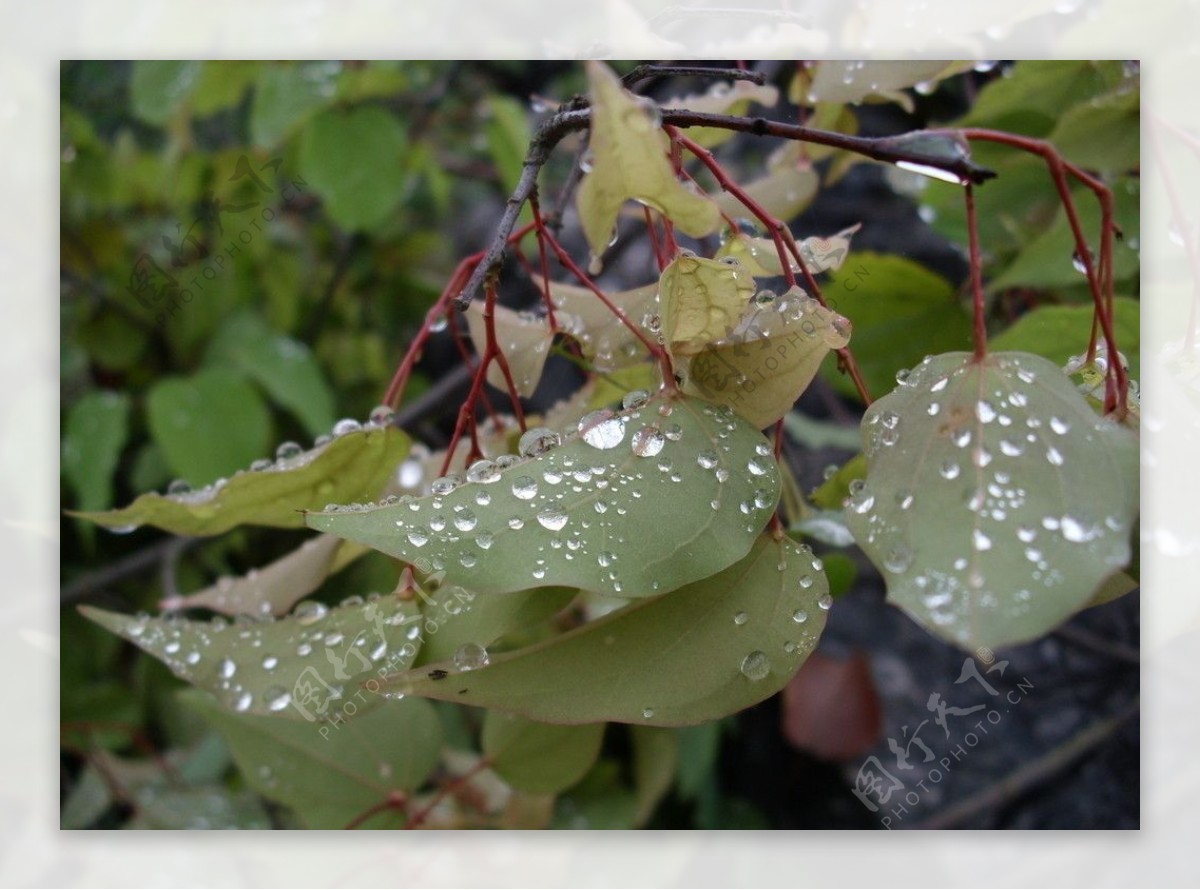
{"points": [[769, 359], [702, 300], [607, 341], [630, 161], [522, 337], [789, 186], [724, 98], [843, 81], [761, 257]]}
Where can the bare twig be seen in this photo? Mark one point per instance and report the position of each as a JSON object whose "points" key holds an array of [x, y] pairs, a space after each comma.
{"points": [[135, 563]]}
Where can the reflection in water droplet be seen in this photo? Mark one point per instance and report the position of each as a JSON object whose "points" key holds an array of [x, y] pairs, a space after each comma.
{"points": [[470, 657], [276, 698], [648, 441], [552, 519], [740, 618], [756, 665], [602, 429]]}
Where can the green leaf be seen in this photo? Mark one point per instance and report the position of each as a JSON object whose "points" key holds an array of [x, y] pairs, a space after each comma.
{"points": [[287, 94], [453, 617], [157, 88], [355, 161], [284, 367], [630, 161], [212, 807], [331, 774], [308, 666], [1058, 333], [276, 587], [508, 135], [1033, 96], [839, 82], [600, 802], [901, 313], [639, 503], [834, 490], [208, 425], [676, 659], [222, 84], [352, 466], [769, 359], [698, 750], [539, 758], [96, 430], [1114, 587], [1103, 134], [996, 500], [655, 758]]}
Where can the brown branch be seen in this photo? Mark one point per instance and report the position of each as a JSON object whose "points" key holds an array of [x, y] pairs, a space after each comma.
{"points": [[643, 73]]}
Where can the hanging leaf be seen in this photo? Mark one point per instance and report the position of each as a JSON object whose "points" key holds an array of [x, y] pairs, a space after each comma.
{"points": [[307, 666], [354, 465], [459, 623], [275, 588], [769, 359], [630, 161], [332, 774], [540, 758], [524, 339], [706, 650], [789, 186], [838, 81], [655, 758], [702, 300], [761, 256], [996, 500], [606, 340], [724, 97], [635, 503]]}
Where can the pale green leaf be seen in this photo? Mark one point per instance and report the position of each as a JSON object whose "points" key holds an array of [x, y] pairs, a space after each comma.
{"points": [[524, 339], [308, 666], [209, 424], [724, 97], [209, 808], [769, 359], [454, 620], [276, 587], [788, 187], [332, 773], [996, 500], [842, 81], [709, 649], [702, 300], [606, 340], [638, 503], [761, 256], [355, 465], [96, 429], [540, 758], [630, 161]]}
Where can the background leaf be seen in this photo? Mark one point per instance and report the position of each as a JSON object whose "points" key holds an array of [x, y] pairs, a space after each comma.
{"points": [[158, 88], [540, 758], [96, 430], [1059, 332]]}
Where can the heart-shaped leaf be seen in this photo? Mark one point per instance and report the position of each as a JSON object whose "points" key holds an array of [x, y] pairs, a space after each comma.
{"points": [[704, 651], [996, 500], [352, 466], [630, 161], [523, 338], [635, 503], [306, 666]]}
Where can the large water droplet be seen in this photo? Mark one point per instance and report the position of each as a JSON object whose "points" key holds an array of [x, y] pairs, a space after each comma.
{"points": [[602, 429], [756, 665], [648, 441], [309, 612], [276, 698], [524, 487], [483, 472], [470, 657], [552, 519], [538, 440]]}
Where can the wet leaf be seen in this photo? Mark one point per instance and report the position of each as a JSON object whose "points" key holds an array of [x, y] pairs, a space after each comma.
{"points": [[839, 81], [724, 97], [276, 587], [308, 666], [637, 503], [331, 774], [761, 257], [702, 300], [1060, 332], [354, 465], [704, 651], [540, 758], [788, 187], [769, 359], [456, 621], [630, 162], [524, 339], [96, 429], [606, 340], [996, 500]]}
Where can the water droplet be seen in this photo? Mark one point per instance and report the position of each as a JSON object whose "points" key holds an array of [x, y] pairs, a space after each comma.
{"points": [[244, 701], [980, 541], [346, 425], [552, 519], [465, 520], [756, 665], [648, 713], [524, 487], [276, 698], [516, 522], [948, 470], [443, 485], [288, 451], [270, 662], [226, 668], [825, 602], [985, 411], [483, 472], [635, 399], [309, 612], [605, 558], [178, 487], [648, 441], [1054, 456], [381, 415], [602, 429], [898, 559], [538, 440], [1059, 425], [417, 538], [799, 616], [470, 657]]}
